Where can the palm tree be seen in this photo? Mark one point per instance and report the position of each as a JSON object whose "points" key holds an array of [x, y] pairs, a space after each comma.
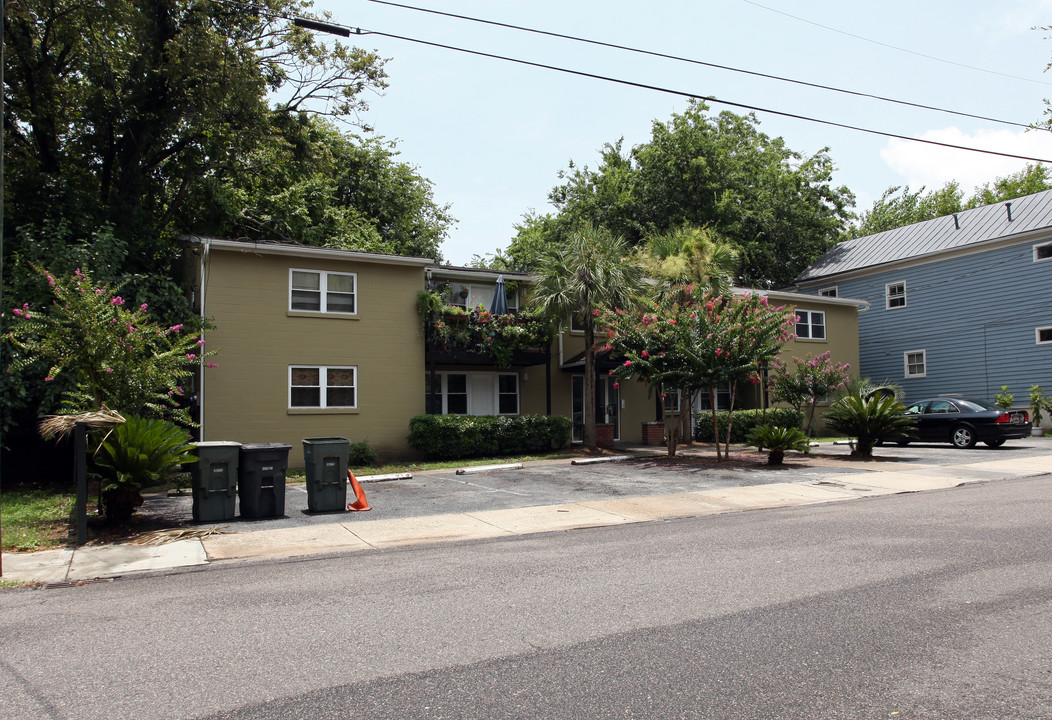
{"points": [[691, 255], [591, 270]]}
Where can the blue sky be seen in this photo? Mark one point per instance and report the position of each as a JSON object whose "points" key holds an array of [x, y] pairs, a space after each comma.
{"points": [[492, 136]]}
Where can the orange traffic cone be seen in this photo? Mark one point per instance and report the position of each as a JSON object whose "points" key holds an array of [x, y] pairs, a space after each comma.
{"points": [[360, 503]]}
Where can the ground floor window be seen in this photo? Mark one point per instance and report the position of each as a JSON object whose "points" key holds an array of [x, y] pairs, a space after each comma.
{"points": [[723, 399], [322, 386], [916, 363], [474, 393]]}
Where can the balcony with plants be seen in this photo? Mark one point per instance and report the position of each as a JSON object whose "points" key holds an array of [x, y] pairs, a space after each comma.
{"points": [[457, 335]]}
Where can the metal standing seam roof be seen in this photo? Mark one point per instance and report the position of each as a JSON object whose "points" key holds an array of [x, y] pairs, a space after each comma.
{"points": [[979, 225]]}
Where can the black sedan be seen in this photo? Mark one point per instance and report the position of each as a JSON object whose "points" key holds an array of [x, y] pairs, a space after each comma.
{"points": [[964, 422]]}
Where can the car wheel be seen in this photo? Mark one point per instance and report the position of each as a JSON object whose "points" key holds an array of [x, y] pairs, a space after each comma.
{"points": [[902, 443], [994, 443], [963, 437]]}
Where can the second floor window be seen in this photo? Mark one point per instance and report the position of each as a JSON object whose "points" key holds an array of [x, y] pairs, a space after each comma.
{"points": [[323, 292], [895, 295], [811, 324]]}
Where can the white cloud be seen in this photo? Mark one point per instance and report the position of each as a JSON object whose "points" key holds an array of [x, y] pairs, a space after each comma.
{"points": [[934, 166]]}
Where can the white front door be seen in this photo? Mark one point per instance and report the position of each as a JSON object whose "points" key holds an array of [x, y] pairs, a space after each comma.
{"points": [[482, 396]]}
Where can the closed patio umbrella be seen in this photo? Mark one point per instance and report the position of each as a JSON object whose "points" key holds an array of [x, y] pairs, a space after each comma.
{"points": [[499, 305]]}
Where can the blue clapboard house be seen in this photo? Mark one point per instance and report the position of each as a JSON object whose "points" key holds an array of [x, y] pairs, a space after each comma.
{"points": [[959, 305]]}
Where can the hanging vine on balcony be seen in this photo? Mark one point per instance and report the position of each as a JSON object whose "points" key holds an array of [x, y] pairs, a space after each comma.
{"points": [[451, 328]]}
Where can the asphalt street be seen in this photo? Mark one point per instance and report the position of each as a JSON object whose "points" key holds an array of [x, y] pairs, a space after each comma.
{"points": [[922, 605]]}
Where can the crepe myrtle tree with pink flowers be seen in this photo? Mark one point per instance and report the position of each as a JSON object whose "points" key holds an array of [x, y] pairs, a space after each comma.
{"points": [[811, 379], [694, 340], [113, 354]]}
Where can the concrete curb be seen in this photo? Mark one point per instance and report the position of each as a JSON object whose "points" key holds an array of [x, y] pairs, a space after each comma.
{"points": [[87, 563]]}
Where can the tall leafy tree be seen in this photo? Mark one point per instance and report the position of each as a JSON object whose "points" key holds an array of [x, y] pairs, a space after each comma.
{"points": [[116, 109], [777, 206], [589, 273], [315, 184]]}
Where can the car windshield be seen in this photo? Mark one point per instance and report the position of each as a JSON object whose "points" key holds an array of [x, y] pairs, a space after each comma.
{"points": [[975, 405]]}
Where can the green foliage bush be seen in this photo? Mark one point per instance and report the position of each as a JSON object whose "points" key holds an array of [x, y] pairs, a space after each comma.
{"points": [[744, 422], [362, 454], [456, 437], [139, 453]]}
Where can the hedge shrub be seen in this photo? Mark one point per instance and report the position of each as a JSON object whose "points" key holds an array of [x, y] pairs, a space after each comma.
{"points": [[744, 422], [456, 437]]}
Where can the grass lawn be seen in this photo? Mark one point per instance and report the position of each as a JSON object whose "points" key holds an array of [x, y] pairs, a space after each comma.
{"points": [[35, 518]]}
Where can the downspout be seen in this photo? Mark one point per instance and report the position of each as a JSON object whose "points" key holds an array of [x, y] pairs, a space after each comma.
{"points": [[206, 246]]}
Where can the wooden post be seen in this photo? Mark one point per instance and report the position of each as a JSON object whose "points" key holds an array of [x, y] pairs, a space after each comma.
{"points": [[80, 473]]}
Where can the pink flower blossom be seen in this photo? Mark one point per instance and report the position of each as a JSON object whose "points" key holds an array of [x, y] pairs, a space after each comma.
{"points": [[190, 356], [211, 364], [117, 301], [143, 307], [617, 386], [644, 354], [109, 370], [98, 291], [48, 379], [628, 363], [176, 328], [595, 313], [201, 341], [179, 389]]}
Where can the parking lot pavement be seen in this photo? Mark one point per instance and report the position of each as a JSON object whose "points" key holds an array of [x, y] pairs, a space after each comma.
{"points": [[441, 506]]}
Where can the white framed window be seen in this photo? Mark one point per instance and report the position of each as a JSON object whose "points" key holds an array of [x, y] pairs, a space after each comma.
{"points": [[915, 363], [1043, 335], [811, 324], [321, 291], [895, 295], [323, 386], [672, 400], [723, 399], [474, 393], [829, 292], [508, 394], [454, 394], [1043, 251], [577, 322]]}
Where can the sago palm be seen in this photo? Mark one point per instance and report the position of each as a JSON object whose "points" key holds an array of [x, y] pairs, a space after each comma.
{"points": [[878, 417]]}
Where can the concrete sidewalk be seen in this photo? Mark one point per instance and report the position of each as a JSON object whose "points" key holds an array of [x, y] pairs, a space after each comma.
{"points": [[358, 532]]}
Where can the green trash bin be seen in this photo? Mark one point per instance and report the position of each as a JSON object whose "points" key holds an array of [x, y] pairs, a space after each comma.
{"points": [[261, 479], [214, 480], [326, 466]]}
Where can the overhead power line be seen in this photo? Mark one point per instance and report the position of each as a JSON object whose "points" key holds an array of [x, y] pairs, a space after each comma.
{"points": [[645, 86], [703, 63], [894, 47]]}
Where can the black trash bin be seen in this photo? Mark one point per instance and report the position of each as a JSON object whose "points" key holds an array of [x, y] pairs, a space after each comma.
{"points": [[261, 479], [326, 469], [214, 480]]}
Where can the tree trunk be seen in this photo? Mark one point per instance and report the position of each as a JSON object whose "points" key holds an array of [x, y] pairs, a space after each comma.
{"points": [[715, 420], [730, 418]]}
